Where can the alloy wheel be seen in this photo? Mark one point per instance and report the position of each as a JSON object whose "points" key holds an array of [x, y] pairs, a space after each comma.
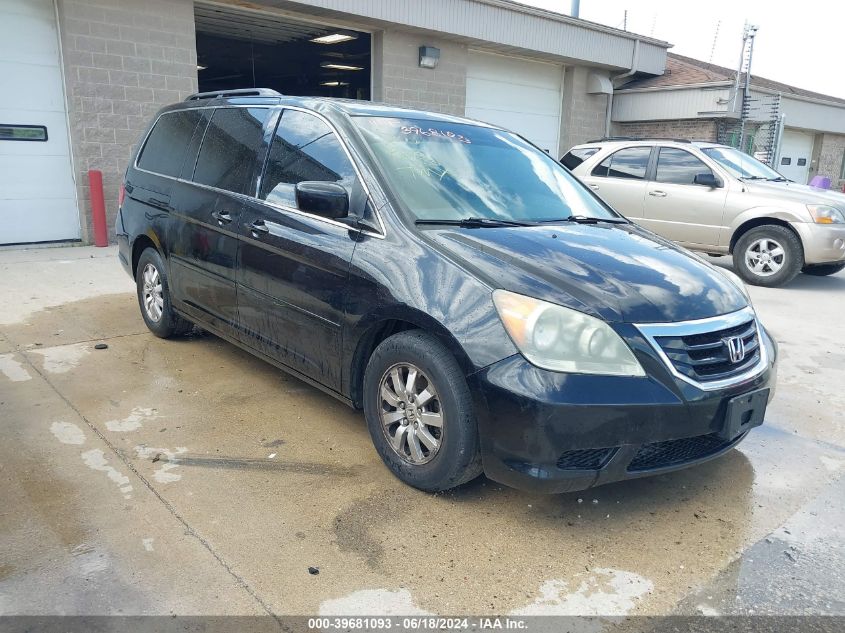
{"points": [[152, 293], [765, 257], [411, 414]]}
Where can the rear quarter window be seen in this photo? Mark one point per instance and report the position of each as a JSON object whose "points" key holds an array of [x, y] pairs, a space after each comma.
{"points": [[575, 157], [167, 143]]}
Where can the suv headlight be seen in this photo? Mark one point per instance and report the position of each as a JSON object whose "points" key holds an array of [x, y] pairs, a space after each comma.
{"points": [[561, 339], [825, 214]]}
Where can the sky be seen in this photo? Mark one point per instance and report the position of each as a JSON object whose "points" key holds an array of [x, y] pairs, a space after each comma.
{"points": [[798, 43]]}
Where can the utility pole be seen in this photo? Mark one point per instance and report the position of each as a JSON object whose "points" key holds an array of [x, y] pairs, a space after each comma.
{"points": [[748, 35], [576, 9]]}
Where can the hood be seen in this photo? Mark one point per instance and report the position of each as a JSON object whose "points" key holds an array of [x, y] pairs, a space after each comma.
{"points": [[794, 192], [618, 272]]}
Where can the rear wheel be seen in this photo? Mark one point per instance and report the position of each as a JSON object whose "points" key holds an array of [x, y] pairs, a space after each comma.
{"points": [[419, 412], [153, 291], [768, 255], [823, 270]]}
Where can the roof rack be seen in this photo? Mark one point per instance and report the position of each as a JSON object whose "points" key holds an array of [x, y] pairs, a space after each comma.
{"points": [[639, 138], [242, 92]]}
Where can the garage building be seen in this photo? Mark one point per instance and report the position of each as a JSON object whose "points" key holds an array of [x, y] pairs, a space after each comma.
{"points": [[81, 78], [699, 101]]}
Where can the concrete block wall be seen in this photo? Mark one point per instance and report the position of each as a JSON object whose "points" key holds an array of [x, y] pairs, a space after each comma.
{"points": [[583, 114], [692, 129], [830, 159], [123, 60], [399, 80]]}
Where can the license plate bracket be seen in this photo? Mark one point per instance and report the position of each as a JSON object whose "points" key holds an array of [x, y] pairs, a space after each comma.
{"points": [[744, 412]]}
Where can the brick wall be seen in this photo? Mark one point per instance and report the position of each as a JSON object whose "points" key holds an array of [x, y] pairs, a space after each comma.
{"points": [[692, 129], [583, 114], [401, 81], [123, 60], [830, 159]]}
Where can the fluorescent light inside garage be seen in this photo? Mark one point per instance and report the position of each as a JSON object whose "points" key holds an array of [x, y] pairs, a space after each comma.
{"points": [[334, 38], [334, 84], [334, 66]]}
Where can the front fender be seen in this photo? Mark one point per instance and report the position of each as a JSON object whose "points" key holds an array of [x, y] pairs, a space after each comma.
{"points": [[761, 213]]}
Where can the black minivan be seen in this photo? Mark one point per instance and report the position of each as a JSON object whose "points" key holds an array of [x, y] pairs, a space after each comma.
{"points": [[485, 310]]}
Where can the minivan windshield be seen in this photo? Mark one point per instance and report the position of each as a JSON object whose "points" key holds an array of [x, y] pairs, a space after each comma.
{"points": [[441, 170], [740, 164]]}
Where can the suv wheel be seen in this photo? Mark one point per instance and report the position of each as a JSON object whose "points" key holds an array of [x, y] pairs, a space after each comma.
{"points": [[154, 297], [823, 270], [768, 255], [419, 412]]}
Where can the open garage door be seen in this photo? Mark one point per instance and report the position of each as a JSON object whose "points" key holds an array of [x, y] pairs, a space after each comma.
{"points": [[520, 95], [248, 48], [37, 191]]}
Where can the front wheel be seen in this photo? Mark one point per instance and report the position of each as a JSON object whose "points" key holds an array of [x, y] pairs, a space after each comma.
{"points": [[823, 270], [419, 412], [769, 255]]}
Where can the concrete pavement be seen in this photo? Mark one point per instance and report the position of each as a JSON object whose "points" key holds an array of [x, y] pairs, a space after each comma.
{"points": [[186, 476]]}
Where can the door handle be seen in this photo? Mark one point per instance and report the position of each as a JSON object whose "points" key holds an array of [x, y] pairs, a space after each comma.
{"points": [[222, 217], [259, 228], [594, 187], [657, 194]]}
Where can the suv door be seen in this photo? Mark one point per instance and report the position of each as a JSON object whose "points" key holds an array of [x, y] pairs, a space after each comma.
{"points": [[676, 207], [620, 179], [294, 265], [205, 242]]}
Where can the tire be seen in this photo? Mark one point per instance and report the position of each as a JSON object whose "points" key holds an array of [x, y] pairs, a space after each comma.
{"points": [[823, 270], [777, 243], [456, 458], [153, 291]]}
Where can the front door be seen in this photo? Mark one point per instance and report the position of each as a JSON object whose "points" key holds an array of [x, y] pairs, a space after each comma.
{"points": [[677, 208], [293, 265]]}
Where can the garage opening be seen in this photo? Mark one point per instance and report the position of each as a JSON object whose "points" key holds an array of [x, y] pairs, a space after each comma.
{"points": [[238, 48]]}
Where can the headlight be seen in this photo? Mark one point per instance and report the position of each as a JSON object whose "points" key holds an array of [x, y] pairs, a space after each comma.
{"points": [[825, 214], [560, 339], [737, 281]]}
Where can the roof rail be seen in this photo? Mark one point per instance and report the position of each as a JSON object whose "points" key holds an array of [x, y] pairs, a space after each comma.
{"points": [[242, 92], [639, 138]]}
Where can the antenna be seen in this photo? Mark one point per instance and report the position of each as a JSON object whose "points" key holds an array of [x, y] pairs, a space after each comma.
{"points": [[715, 39], [625, 21]]}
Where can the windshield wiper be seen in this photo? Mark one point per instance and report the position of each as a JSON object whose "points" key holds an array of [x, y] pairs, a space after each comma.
{"points": [[473, 222], [753, 178], [778, 179], [583, 219]]}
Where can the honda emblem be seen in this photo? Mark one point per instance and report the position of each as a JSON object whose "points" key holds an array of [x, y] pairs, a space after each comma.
{"points": [[736, 349]]}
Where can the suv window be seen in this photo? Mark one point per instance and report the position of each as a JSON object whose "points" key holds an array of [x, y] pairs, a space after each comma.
{"points": [[631, 162], [167, 143], [575, 157], [232, 148], [303, 148], [678, 166]]}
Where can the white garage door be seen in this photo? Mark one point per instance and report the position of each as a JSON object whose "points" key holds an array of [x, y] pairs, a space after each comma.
{"points": [[523, 96], [37, 192], [795, 154]]}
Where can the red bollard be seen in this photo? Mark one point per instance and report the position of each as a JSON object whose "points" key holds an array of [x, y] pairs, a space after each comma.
{"points": [[98, 207]]}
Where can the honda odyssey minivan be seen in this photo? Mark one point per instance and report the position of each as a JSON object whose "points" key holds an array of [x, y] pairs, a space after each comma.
{"points": [[485, 309]]}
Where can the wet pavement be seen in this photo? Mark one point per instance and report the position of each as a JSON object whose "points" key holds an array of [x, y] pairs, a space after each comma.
{"points": [[188, 477]]}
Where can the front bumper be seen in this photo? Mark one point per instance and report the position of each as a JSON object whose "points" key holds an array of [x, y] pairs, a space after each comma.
{"points": [[823, 243], [550, 432]]}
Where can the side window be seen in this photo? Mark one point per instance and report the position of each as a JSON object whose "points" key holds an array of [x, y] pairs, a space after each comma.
{"points": [[575, 157], [303, 148], [679, 167], [165, 148], [232, 148], [631, 162]]}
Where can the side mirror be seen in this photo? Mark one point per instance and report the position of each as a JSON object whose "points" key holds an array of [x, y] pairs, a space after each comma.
{"points": [[326, 199], [707, 180]]}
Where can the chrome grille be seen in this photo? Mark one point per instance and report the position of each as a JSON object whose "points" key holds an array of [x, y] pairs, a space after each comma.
{"points": [[705, 357]]}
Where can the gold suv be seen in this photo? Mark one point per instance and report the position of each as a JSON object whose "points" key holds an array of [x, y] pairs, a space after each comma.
{"points": [[716, 199]]}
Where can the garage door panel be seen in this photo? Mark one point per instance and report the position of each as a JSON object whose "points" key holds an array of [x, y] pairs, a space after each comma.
{"points": [[27, 34], [23, 86], [29, 176], [35, 220], [56, 143], [796, 150], [516, 94]]}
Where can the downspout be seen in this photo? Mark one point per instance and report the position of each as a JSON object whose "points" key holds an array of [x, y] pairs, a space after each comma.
{"points": [[635, 58]]}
